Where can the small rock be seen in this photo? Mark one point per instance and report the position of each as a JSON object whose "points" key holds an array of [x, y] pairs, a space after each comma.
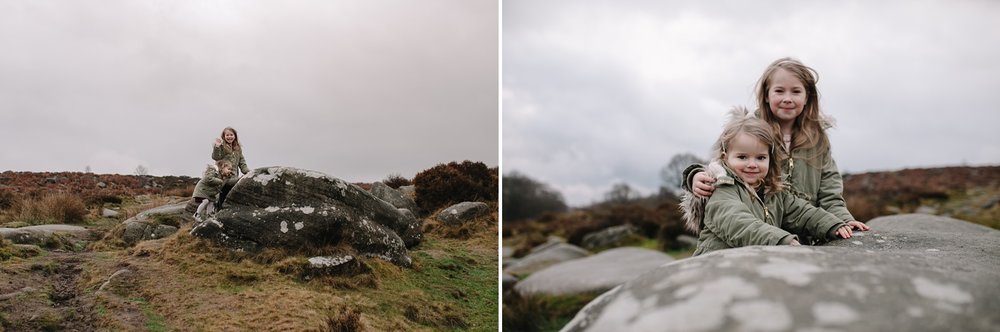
{"points": [[108, 213], [102, 184], [613, 236], [458, 214]]}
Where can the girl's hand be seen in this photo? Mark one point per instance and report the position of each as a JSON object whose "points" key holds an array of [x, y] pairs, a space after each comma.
{"points": [[844, 232], [795, 243], [858, 225], [702, 185], [218, 141]]}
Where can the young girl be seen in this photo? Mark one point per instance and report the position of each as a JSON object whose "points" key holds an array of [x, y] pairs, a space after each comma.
{"points": [[207, 189], [788, 101], [748, 206], [227, 147]]}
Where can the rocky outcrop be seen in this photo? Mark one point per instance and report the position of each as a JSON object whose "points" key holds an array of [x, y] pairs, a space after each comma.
{"points": [[393, 196], [614, 236], [593, 274], [909, 273], [460, 213], [550, 255], [155, 223], [41, 234], [295, 208]]}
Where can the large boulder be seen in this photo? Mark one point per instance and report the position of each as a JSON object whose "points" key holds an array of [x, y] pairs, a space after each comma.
{"points": [[551, 255], [41, 234], [295, 208], [594, 274], [614, 236], [393, 196], [155, 223], [909, 273], [460, 213]]}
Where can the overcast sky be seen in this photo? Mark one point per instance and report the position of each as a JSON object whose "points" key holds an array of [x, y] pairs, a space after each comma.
{"points": [[356, 89], [600, 92]]}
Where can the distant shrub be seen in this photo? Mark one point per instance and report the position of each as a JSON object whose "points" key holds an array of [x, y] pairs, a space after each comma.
{"points": [[180, 192], [395, 181], [452, 183], [525, 198], [58, 208], [347, 320], [7, 200], [101, 199]]}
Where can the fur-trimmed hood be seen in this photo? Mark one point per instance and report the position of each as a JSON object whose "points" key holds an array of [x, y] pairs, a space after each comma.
{"points": [[693, 206]]}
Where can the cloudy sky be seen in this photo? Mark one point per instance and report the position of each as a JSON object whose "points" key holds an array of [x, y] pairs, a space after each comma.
{"points": [[601, 92], [356, 89]]}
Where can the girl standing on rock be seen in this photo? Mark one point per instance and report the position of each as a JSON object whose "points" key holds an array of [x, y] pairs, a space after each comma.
{"points": [[787, 99], [207, 190], [749, 205], [227, 147]]}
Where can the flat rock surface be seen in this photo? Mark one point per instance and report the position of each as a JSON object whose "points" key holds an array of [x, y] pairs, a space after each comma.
{"points": [[593, 274], [541, 259], [909, 273]]}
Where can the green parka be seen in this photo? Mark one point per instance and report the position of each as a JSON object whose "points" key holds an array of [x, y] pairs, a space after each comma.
{"points": [[210, 184], [737, 217], [234, 156], [815, 179]]}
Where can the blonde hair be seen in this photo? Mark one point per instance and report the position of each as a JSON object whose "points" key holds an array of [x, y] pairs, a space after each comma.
{"points": [[236, 140], [808, 130], [742, 121]]}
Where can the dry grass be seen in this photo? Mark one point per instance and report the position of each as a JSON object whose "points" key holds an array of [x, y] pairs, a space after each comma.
{"points": [[48, 209]]}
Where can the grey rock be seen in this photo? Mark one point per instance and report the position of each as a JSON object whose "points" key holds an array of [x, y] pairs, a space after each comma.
{"points": [[102, 185], [460, 213], [393, 196], [292, 208], [551, 241], [108, 213], [41, 233], [409, 191], [156, 223], [925, 210], [118, 282], [554, 254], [594, 274], [613, 236], [506, 252], [991, 202], [909, 273], [136, 231], [341, 264]]}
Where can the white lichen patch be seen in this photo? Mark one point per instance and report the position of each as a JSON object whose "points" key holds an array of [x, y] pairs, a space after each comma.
{"points": [[272, 209], [788, 249], [724, 264], [264, 179], [626, 313], [328, 261], [833, 313], [299, 225], [950, 293], [685, 291], [916, 312], [284, 226], [933, 250], [858, 291], [683, 277], [749, 315], [794, 273], [307, 209], [857, 243], [880, 241]]}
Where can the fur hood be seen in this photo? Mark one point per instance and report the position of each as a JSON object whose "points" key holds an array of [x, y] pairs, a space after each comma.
{"points": [[693, 206]]}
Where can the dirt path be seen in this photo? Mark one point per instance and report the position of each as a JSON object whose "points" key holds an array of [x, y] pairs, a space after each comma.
{"points": [[43, 293]]}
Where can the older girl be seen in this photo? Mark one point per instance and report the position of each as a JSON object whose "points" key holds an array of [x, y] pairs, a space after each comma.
{"points": [[228, 147]]}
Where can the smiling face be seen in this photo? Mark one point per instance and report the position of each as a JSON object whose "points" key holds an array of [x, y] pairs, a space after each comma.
{"points": [[749, 158], [786, 95], [229, 136]]}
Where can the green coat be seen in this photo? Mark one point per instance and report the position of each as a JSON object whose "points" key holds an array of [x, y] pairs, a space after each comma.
{"points": [[821, 186], [235, 157], [210, 184], [736, 217]]}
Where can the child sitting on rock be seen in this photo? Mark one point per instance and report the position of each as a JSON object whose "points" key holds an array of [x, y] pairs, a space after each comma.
{"points": [[749, 205], [207, 190]]}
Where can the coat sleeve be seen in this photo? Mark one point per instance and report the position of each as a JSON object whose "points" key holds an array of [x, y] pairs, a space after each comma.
{"points": [[729, 218], [831, 190], [218, 152], [212, 179], [687, 176], [243, 164], [803, 218]]}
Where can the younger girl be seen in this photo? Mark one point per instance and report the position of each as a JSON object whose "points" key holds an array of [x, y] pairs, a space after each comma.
{"points": [[207, 189], [227, 147], [749, 206], [788, 101]]}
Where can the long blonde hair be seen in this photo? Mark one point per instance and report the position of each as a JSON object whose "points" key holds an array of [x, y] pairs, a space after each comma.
{"points": [[809, 128], [742, 121], [236, 141]]}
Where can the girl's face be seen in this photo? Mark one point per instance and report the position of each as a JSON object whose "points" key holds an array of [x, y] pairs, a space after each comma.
{"points": [[749, 158], [786, 95], [226, 170], [229, 136]]}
